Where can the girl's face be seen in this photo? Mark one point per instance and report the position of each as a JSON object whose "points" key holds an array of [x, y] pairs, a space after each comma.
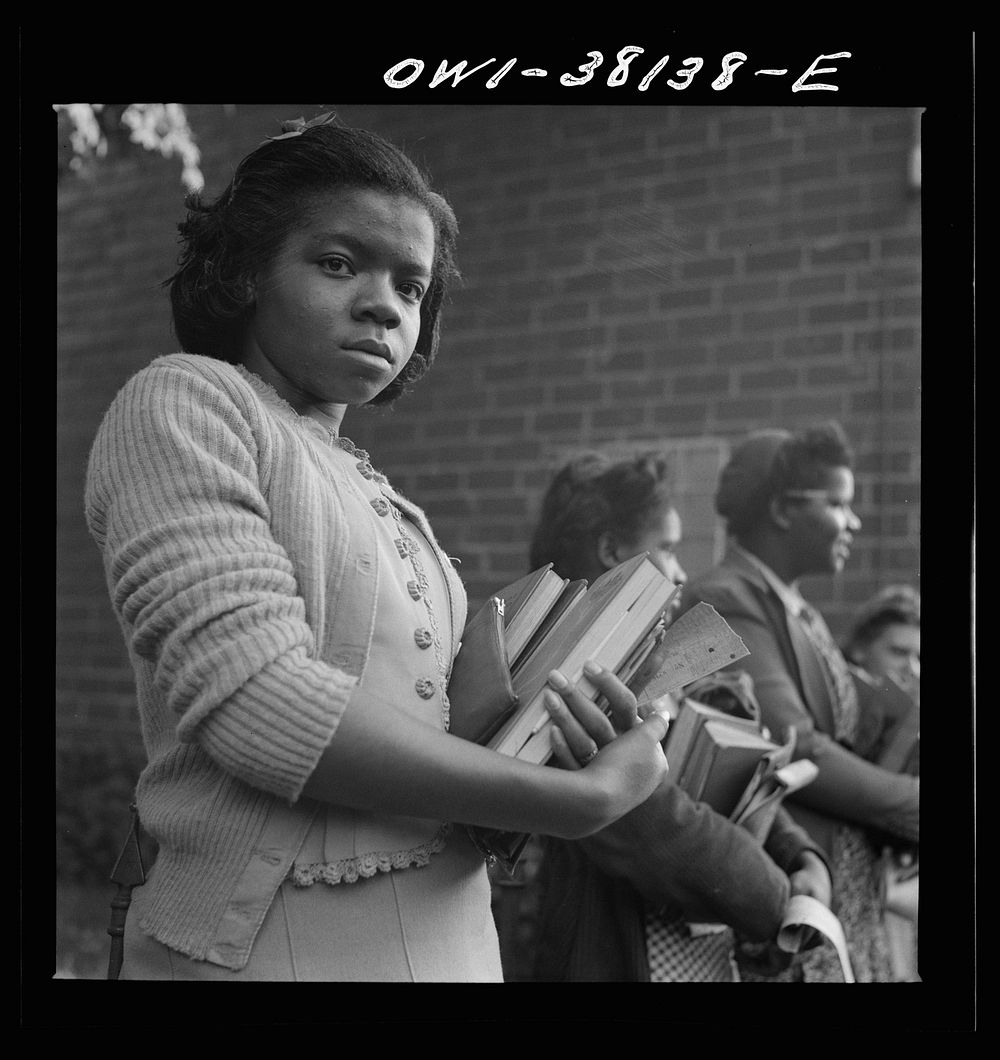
{"points": [[661, 539], [337, 309], [821, 525], [895, 651]]}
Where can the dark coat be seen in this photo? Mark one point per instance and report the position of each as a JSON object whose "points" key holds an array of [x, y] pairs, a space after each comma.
{"points": [[669, 852], [791, 686]]}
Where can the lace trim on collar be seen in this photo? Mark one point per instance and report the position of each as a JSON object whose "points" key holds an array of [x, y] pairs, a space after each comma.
{"points": [[268, 393], [271, 396]]}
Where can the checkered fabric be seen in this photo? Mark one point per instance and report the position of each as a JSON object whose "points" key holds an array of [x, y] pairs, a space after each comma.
{"points": [[677, 955]]}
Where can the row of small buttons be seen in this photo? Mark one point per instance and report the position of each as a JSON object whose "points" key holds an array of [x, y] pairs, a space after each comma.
{"points": [[423, 636], [425, 687], [417, 587]]}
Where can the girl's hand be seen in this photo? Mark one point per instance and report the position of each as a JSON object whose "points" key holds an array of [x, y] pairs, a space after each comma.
{"points": [[812, 877], [580, 728], [626, 771]]}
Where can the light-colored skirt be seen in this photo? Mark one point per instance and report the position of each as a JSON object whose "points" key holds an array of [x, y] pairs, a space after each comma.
{"points": [[426, 924]]}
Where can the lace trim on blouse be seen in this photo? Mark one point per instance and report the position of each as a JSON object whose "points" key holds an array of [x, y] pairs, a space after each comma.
{"points": [[266, 391], [350, 870], [271, 396]]}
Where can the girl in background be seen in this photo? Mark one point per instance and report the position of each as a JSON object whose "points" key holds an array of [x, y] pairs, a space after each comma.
{"points": [[787, 501], [619, 904], [884, 643], [885, 638]]}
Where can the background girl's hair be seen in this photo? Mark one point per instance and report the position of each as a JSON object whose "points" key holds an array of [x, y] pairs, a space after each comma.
{"points": [[895, 605], [225, 243], [592, 495]]}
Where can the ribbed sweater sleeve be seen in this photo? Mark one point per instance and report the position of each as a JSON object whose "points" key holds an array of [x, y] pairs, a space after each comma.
{"points": [[787, 842], [683, 855], [206, 596]]}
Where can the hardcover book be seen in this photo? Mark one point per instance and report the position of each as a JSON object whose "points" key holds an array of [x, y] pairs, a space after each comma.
{"points": [[609, 622], [722, 763]]}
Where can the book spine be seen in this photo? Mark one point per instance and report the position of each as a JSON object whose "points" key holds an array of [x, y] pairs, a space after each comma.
{"points": [[527, 722], [612, 597], [641, 618], [538, 748], [679, 742]]}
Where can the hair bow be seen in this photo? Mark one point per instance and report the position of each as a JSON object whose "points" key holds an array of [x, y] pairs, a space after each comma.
{"points": [[297, 126]]}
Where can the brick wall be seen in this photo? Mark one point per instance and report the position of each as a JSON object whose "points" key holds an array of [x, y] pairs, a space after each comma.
{"points": [[634, 276]]}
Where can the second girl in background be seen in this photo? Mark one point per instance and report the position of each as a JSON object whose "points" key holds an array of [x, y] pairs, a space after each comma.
{"points": [[619, 905]]}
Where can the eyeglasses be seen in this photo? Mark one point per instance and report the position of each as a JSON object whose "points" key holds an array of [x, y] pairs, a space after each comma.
{"points": [[818, 495]]}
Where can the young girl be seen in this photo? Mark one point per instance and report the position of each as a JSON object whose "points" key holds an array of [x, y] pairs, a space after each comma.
{"points": [[291, 620], [786, 499], [884, 643], [885, 637]]}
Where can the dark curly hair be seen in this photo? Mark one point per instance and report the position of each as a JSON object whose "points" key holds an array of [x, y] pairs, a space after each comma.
{"points": [[769, 463], [226, 242], [593, 495]]}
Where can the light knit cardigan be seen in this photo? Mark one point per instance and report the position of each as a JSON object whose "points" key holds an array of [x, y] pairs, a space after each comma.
{"points": [[242, 570]]}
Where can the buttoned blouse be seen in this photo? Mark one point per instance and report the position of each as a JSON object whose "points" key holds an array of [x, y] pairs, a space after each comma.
{"points": [[245, 558], [407, 667]]}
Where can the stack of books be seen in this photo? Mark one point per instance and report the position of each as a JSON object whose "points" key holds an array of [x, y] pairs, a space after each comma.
{"points": [[551, 623], [712, 755], [725, 761], [543, 622]]}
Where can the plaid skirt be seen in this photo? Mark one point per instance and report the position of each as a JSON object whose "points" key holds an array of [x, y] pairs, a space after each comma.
{"points": [[679, 952]]}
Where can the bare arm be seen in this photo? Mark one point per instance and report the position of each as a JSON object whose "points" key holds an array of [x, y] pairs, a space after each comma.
{"points": [[384, 760]]}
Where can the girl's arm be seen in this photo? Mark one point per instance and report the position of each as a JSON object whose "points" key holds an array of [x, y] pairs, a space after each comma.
{"points": [[209, 603], [382, 759], [847, 787]]}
